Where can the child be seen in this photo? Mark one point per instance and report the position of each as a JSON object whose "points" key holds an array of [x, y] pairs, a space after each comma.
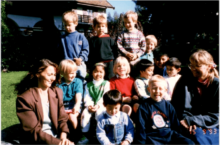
{"points": [[114, 126], [75, 44], [173, 67], [93, 95], [102, 47], [72, 90], [151, 43], [160, 58], [146, 69], [157, 120], [131, 43], [124, 83]]}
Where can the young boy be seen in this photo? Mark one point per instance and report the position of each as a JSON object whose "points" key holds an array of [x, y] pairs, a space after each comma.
{"points": [[151, 43], [75, 44], [173, 66], [160, 58], [157, 119], [72, 90], [114, 126], [131, 43], [102, 46]]}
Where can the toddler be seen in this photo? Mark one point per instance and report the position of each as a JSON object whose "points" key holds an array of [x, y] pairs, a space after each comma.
{"points": [[75, 45], [93, 95], [173, 67], [114, 126], [72, 90], [102, 47], [131, 42], [160, 58], [124, 83], [157, 119]]}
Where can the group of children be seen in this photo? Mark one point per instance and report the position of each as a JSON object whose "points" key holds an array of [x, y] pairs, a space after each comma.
{"points": [[115, 94]]}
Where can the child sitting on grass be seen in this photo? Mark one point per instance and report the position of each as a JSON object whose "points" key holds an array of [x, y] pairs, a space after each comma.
{"points": [[72, 90], [114, 126], [94, 91], [157, 119], [124, 83], [173, 66]]}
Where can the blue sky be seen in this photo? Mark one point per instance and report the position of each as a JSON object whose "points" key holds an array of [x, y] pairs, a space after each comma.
{"points": [[120, 6]]}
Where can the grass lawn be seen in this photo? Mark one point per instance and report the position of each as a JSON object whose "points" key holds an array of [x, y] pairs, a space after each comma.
{"points": [[8, 98]]}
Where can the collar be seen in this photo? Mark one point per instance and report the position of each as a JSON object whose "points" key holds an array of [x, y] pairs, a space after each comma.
{"points": [[116, 115], [64, 83], [104, 35], [96, 83], [117, 76], [142, 78]]}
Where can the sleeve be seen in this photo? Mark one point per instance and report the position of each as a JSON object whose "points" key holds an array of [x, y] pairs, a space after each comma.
{"points": [[85, 49], [62, 116], [79, 86], [87, 98], [140, 126], [120, 44], [142, 44], [129, 129], [140, 89], [101, 135], [30, 123]]}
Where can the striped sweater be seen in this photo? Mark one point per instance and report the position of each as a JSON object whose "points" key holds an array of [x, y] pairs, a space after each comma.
{"points": [[133, 42]]}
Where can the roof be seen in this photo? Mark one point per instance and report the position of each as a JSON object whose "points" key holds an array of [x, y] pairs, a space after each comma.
{"points": [[101, 3]]}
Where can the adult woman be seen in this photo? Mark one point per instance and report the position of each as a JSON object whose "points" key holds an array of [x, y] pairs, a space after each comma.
{"points": [[40, 108], [196, 99]]}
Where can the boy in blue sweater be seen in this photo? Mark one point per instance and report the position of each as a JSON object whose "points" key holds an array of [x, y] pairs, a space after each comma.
{"points": [[75, 45], [157, 120]]}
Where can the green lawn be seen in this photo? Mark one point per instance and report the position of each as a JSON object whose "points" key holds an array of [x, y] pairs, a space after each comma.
{"points": [[8, 98]]}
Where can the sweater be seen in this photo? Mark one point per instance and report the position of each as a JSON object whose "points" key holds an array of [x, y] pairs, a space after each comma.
{"points": [[124, 85], [75, 45], [200, 110], [101, 48], [133, 42]]}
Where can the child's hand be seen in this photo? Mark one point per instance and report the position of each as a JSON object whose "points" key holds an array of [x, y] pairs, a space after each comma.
{"points": [[78, 61], [126, 99], [135, 97], [184, 123], [76, 109], [125, 142], [90, 108], [95, 108]]}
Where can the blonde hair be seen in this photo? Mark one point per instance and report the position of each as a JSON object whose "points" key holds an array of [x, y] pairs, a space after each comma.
{"points": [[152, 38], [158, 78], [121, 60], [66, 66], [204, 57], [132, 15], [100, 19], [70, 16]]}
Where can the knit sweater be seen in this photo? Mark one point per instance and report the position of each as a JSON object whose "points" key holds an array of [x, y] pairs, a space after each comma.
{"points": [[133, 42], [101, 48], [124, 85], [75, 45]]}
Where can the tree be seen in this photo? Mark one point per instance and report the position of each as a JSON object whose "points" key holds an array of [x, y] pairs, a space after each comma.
{"points": [[109, 18], [115, 17]]}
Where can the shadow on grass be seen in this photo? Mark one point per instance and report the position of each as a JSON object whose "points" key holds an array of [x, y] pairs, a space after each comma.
{"points": [[11, 134]]}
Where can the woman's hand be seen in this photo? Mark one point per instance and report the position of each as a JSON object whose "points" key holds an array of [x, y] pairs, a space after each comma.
{"points": [[66, 142], [184, 123], [192, 128], [126, 99]]}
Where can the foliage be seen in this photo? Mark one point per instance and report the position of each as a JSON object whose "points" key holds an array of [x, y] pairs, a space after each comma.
{"points": [[8, 98], [182, 27]]}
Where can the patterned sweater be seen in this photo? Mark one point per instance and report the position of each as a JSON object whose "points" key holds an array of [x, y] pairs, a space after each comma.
{"points": [[133, 42]]}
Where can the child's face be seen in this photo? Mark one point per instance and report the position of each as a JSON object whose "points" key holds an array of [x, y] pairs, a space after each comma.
{"points": [[100, 29], [129, 24], [70, 27], [157, 90], [69, 77], [113, 109], [160, 62], [98, 73], [172, 71], [122, 69], [147, 73], [149, 46]]}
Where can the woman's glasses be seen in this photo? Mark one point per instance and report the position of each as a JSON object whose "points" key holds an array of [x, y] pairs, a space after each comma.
{"points": [[195, 66]]}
